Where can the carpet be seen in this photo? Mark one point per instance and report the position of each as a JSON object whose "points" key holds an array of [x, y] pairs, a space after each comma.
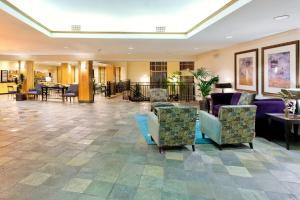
{"points": [[142, 122]]}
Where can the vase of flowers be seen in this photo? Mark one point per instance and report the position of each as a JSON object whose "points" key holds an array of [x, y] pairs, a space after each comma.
{"points": [[287, 97]]}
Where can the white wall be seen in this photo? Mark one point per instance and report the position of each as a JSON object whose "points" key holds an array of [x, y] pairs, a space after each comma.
{"points": [[221, 61]]}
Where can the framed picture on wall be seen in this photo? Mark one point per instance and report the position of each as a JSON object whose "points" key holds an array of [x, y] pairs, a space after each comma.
{"points": [[246, 70], [4, 76], [280, 67]]}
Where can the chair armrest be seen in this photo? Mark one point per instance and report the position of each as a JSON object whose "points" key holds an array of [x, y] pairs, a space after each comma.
{"points": [[153, 126], [210, 126]]}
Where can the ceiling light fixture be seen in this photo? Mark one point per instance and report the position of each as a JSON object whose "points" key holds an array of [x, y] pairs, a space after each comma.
{"points": [[130, 48], [66, 47], [281, 17], [229, 37], [128, 53], [196, 48]]}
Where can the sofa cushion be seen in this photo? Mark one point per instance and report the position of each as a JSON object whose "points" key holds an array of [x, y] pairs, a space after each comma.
{"points": [[246, 99]]}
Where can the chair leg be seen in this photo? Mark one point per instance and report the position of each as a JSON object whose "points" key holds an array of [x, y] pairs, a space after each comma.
{"points": [[160, 149], [251, 145], [203, 136], [220, 147], [193, 147]]}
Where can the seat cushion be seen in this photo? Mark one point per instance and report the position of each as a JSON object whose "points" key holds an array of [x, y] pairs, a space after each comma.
{"points": [[70, 94], [33, 92]]}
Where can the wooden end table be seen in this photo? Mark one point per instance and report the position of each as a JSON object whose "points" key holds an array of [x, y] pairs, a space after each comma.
{"points": [[292, 121]]}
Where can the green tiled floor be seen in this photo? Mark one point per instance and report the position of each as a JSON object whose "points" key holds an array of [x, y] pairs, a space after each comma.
{"points": [[61, 151]]}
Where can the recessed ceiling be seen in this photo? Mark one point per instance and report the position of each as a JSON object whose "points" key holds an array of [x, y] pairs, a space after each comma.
{"points": [[121, 19], [19, 41]]}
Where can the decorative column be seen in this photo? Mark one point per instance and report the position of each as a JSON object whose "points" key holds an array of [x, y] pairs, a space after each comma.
{"points": [[85, 82], [67, 73], [26, 68]]}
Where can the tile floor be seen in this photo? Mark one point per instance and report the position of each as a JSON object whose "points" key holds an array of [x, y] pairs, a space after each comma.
{"points": [[53, 150]]}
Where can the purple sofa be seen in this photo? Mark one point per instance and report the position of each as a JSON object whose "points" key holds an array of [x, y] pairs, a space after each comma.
{"points": [[221, 99], [263, 106]]}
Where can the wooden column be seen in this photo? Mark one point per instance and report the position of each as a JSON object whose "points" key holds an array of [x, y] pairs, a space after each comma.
{"points": [[26, 68], [110, 73], [85, 79], [67, 73]]}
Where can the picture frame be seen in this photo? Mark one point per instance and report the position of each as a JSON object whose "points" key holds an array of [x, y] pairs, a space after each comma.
{"points": [[280, 67], [4, 76], [246, 71]]}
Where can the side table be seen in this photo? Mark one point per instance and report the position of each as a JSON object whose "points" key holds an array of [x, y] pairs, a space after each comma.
{"points": [[292, 121]]}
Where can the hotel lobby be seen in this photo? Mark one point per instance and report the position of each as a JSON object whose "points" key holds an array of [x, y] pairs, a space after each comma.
{"points": [[149, 100]]}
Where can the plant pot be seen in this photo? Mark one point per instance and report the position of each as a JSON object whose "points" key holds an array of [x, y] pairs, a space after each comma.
{"points": [[203, 105], [20, 97]]}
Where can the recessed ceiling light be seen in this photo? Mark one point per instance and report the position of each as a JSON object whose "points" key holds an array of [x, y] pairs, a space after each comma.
{"points": [[196, 48], [281, 17], [229, 37], [128, 53], [66, 47], [130, 48]]}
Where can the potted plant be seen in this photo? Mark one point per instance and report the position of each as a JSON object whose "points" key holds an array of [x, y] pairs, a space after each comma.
{"points": [[205, 81], [287, 97], [174, 81], [137, 95], [19, 95]]}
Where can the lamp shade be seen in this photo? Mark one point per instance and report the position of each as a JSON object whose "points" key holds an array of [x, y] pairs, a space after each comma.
{"points": [[223, 85]]}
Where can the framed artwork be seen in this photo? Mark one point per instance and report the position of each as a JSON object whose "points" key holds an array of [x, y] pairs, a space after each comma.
{"points": [[4, 76], [280, 67], [246, 71]]}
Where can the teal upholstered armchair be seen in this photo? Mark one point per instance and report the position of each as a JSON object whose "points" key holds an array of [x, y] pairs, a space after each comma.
{"points": [[236, 124], [173, 126]]}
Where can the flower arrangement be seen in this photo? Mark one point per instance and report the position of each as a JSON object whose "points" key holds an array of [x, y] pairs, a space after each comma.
{"points": [[287, 97]]}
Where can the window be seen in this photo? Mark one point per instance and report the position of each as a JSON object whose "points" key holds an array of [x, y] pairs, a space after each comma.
{"points": [[187, 65], [158, 72], [102, 75]]}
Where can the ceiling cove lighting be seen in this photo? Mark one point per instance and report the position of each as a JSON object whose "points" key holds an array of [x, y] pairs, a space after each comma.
{"points": [[281, 17], [229, 37], [181, 20]]}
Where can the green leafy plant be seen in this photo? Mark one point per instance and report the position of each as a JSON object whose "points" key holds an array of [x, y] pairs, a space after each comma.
{"points": [[205, 81], [20, 83], [174, 80], [137, 92]]}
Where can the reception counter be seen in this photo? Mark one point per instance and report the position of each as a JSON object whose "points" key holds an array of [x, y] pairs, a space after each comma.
{"points": [[3, 87]]}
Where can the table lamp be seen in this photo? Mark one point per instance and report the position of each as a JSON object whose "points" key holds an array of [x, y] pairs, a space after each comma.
{"points": [[223, 86]]}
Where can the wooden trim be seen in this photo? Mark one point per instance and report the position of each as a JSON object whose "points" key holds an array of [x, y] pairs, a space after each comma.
{"points": [[235, 70], [296, 43]]}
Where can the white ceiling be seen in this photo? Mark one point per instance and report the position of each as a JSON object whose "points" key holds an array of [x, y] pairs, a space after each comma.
{"points": [[253, 21], [119, 15]]}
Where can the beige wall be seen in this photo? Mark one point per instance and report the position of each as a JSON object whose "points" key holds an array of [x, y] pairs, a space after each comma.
{"points": [[46, 69], [138, 71], [221, 61]]}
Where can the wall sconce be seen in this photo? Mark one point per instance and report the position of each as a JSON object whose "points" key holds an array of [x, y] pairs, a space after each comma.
{"points": [[144, 78]]}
